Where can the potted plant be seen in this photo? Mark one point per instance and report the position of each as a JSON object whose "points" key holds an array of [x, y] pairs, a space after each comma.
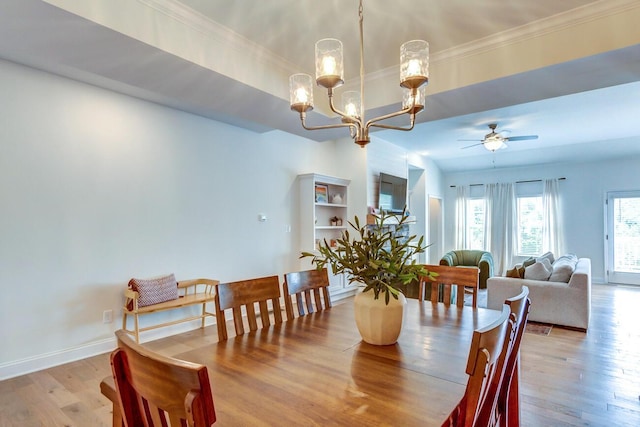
{"points": [[380, 261]]}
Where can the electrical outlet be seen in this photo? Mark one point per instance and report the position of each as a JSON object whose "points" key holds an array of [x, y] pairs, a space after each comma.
{"points": [[107, 316]]}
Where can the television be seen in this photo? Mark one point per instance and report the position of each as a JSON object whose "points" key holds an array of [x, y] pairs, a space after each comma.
{"points": [[392, 195]]}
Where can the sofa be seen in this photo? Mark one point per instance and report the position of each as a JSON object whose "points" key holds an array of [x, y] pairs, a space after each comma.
{"points": [[471, 258], [557, 302]]}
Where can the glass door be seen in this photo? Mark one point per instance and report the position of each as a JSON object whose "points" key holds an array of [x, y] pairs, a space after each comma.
{"points": [[623, 237]]}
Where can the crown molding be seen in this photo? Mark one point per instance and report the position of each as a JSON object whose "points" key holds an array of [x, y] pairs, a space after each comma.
{"points": [[562, 21], [559, 22], [211, 29]]}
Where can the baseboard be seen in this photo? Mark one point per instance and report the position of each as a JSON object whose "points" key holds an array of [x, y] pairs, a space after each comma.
{"points": [[48, 360], [344, 293]]}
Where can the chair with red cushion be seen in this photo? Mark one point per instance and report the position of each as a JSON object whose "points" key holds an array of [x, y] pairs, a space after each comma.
{"points": [[485, 363], [508, 410], [156, 391]]}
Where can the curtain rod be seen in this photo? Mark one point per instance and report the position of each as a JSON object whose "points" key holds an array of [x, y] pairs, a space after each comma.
{"points": [[517, 182]]}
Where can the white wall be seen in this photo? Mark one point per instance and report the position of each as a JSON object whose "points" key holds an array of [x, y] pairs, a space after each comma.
{"points": [[433, 187], [97, 187], [583, 197]]}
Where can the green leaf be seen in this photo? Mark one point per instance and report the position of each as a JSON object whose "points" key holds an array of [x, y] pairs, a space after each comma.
{"points": [[374, 256]]}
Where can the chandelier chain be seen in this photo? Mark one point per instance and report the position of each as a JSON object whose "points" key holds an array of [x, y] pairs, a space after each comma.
{"points": [[361, 16]]}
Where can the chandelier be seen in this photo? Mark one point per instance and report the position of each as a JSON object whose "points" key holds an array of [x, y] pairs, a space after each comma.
{"points": [[414, 75]]}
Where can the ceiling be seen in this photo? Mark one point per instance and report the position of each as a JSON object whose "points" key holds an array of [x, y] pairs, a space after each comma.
{"points": [[566, 71]]}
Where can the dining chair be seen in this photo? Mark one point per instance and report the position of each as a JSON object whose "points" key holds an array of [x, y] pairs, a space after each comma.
{"points": [[462, 277], [508, 410], [485, 362], [310, 289], [155, 391], [246, 293]]}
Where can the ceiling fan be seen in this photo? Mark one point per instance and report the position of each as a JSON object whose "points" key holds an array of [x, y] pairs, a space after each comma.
{"points": [[494, 141]]}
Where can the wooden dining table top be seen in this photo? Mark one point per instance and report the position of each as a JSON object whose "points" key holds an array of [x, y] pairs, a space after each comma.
{"points": [[316, 370]]}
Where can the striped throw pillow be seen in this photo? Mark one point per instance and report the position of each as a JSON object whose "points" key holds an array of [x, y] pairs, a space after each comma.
{"points": [[154, 291]]}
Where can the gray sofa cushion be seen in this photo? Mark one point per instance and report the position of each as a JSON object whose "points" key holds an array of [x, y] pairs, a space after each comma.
{"points": [[563, 268], [546, 255], [540, 270]]}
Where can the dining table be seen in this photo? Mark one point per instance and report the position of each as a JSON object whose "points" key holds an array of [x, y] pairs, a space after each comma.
{"points": [[316, 370]]}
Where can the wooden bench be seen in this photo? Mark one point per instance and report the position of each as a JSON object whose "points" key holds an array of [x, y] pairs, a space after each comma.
{"points": [[191, 292]]}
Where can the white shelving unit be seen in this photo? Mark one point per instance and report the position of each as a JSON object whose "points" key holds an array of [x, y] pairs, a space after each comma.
{"points": [[323, 198]]}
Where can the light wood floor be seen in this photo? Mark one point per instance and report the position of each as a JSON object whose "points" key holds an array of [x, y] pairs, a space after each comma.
{"points": [[568, 378]]}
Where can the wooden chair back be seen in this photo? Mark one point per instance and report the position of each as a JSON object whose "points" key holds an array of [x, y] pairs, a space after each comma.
{"points": [[310, 289], [508, 410], [447, 277], [156, 391], [485, 362], [248, 293]]}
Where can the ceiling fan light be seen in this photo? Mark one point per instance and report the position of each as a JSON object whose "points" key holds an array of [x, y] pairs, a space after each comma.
{"points": [[493, 143]]}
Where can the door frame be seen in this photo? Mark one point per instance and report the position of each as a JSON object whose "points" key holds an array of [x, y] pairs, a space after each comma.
{"points": [[627, 278], [435, 226]]}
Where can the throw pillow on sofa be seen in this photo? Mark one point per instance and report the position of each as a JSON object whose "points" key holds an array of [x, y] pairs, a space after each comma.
{"points": [[563, 268], [517, 272], [546, 255], [513, 273], [540, 270]]}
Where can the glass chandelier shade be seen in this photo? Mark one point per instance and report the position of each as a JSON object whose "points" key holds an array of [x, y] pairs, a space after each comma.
{"points": [[351, 104], [301, 92], [414, 102], [329, 65], [414, 64]]}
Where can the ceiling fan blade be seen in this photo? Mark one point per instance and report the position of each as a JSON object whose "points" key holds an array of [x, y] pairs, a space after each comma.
{"points": [[472, 145], [522, 138]]}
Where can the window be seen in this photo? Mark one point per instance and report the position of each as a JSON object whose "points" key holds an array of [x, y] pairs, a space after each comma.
{"points": [[475, 224], [529, 225], [626, 221]]}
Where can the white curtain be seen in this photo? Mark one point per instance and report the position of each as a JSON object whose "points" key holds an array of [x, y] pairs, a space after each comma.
{"points": [[500, 224], [461, 217], [552, 230]]}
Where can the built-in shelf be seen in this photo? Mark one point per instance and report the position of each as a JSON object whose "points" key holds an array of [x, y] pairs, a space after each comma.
{"points": [[317, 213]]}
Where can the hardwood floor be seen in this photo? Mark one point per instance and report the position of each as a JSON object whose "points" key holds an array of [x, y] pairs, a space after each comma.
{"points": [[568, 378], [571, 378]]}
